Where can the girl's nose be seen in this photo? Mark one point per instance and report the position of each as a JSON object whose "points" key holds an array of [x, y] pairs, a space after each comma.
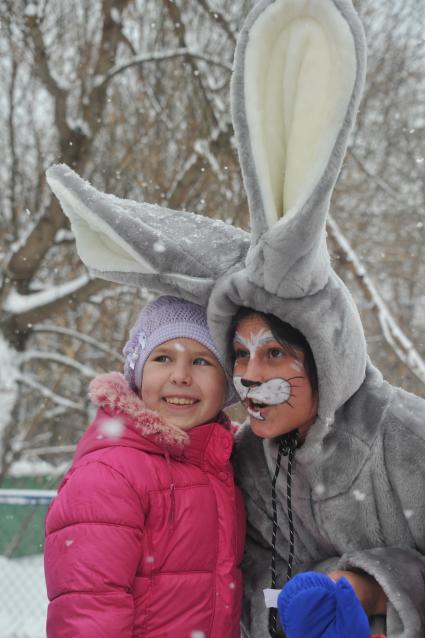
{"points": [[181, 374]]}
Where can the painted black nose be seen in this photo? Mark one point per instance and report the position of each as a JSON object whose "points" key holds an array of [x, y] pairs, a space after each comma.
{"points": [[247, 383]]}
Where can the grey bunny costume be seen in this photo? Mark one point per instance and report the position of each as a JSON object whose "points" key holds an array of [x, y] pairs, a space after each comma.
{"points": [[358, 494]]}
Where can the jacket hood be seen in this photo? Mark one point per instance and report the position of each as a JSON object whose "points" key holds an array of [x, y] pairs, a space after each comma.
{"points": [[298, 76], [123, 420]]}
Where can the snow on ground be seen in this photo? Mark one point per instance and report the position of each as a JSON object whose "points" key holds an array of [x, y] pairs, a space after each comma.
{"points": [[23, 600]]}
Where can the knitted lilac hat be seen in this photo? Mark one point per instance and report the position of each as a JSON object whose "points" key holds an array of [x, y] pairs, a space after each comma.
{"points": [[160, 321]]}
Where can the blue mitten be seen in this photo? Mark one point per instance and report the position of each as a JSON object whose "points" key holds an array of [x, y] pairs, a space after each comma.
{"points": [[311, 605]]}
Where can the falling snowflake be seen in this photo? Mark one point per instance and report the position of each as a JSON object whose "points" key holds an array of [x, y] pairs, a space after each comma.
{"points": [[319, 489], [149, 559], [197, 634], [179, 347], [111, 428], [31, 10], [159, 247], [358, 495], [69, 542], [408, 513], [232, 585]]}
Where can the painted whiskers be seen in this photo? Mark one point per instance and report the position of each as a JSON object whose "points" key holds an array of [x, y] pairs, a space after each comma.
{"points": [[260, 395]]}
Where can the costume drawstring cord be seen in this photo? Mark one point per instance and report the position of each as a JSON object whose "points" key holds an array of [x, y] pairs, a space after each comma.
{"points": [[287, 447]]}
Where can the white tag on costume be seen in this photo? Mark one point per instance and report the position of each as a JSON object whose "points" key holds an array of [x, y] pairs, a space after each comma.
{"points": [[270, 597]]}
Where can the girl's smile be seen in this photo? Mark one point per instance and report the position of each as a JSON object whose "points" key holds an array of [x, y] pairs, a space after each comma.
{"points": [[180, 401]]}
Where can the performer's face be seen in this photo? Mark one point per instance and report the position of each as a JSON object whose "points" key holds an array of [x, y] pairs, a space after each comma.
{"points": [[271, 381]]}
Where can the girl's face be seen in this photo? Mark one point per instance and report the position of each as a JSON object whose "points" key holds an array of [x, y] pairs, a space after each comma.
{"points": [[184, 383], [271, 382]]}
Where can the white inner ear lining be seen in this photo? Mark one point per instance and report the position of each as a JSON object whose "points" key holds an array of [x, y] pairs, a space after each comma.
{"points": [[99, 246], [300, 71]]}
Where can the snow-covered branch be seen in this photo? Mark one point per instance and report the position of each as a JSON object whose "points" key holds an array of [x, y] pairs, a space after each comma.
{"points": [[80, 337], [157, 57], [86, 371], [27, 310], [381, 183], [392, 332], [64, 236], [49, 394], [220, 19], [204, 150], [179, 176], [17, 304], [202, 147], [42, 69]]}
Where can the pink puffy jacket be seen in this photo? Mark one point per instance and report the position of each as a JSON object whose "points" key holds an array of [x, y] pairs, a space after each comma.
{"points": [[146, 534]]}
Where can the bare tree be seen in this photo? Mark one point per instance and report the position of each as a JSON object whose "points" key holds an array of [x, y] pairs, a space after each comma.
{"points": [[379, 202], [97, 85], [134, 96]]}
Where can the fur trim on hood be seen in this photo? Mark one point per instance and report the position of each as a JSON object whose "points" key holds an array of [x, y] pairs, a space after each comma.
{"points": [[112, 393]]}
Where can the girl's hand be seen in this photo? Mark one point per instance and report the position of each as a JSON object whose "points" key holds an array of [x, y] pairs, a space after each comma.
{"points": [[368, 591]]}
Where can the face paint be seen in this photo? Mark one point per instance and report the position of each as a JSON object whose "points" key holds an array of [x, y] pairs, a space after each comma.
{"points": [[297, 365], [255, 341], [271, 381], [272, 392]]}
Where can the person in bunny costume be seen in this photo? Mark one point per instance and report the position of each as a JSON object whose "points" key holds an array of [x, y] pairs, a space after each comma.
{"points": [[358, 503]]}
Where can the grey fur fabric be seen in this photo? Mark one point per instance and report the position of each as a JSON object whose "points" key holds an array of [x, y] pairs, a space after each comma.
{"points": [[358, 493], [141, 244], [358, 504]]}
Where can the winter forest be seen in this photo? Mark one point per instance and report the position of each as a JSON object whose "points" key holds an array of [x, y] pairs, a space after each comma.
{"points": [[134, 96]]}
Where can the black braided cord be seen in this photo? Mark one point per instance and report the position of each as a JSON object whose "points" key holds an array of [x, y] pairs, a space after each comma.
{"points": [[287, 447]]}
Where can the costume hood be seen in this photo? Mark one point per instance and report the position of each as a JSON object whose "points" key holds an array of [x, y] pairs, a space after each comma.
{"points": [[298, 75]]}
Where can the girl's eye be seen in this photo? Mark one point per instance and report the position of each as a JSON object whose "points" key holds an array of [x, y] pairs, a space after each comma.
{"points": [[200, 361], [241, 354], [162, 358], [276, 353]]}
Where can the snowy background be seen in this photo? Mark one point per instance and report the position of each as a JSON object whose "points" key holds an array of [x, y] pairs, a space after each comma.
{"points": [[23, 600], [133, 94]]}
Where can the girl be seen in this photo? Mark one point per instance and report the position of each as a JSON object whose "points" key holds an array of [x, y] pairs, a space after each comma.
{"points": [[146, 533], [276, 377]]}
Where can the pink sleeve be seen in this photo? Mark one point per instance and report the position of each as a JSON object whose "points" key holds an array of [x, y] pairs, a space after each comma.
{"points": [[93, 545]]}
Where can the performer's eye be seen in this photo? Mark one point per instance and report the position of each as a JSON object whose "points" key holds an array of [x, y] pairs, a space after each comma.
{"points": [[276, 353], [240, 353]]}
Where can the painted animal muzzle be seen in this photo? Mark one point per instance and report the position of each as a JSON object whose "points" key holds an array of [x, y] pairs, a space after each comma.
{"points": [[271, 392]]}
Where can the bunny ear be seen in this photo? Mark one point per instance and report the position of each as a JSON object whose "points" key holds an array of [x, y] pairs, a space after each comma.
{"points": [[299, 72], [146, 245]]}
